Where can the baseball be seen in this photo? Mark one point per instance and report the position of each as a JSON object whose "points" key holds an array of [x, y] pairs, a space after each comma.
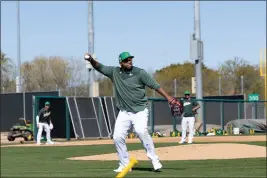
{"points": [[86, 56]]}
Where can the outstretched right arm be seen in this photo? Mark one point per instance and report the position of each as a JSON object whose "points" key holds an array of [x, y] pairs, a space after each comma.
{"points": [[96, 65], [105, 70]]}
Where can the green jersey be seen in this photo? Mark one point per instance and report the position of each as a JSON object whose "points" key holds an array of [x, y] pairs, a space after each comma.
{"points": [[130, 92], [188, 106]]}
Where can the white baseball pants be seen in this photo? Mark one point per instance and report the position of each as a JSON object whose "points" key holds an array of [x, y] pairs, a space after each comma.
{"points": [[43, 126], [188, 121], [123, 124]]}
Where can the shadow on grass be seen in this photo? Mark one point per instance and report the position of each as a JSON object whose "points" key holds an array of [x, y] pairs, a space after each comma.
{"points": [[152, 170]]}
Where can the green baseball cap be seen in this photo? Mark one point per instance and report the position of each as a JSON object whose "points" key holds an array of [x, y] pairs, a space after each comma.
{"points": [[47, 103], [124, 55], [187, 92]]}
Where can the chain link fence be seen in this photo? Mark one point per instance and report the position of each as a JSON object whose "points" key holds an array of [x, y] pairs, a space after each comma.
{"points": [[173, 87]]}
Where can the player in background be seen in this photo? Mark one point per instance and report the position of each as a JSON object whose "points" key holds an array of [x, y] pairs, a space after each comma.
{"points": [[188, 117], [43, 121], [130, 82]]}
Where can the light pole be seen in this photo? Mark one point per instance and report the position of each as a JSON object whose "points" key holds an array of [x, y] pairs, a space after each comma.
{"points": [[242, 85], [18, 77], [263, 71], [196, 53], [175, 87], [91, 71], [220, 86]]}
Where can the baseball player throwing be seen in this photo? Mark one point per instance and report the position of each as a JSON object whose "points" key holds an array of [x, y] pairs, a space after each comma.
{"points": [[189, 108], [131, 100], [43, 120]]}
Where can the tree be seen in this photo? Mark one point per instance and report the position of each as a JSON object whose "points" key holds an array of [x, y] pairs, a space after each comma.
{"points": [[183, 74], [4, 60], [71, 77], [46, 73], [105, 86], [78, 81], [210, 82], [231, 72], [7, 73]]}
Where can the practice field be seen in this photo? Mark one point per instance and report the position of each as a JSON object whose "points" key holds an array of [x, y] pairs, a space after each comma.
{"points": [[208, 157]]}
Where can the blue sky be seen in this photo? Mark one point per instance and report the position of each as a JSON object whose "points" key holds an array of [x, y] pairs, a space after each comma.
{"points": [[156, 33]]}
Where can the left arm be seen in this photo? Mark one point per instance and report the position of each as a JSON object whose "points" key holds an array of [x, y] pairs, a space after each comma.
{"points": [[51, 126], [164, 94], [197, 106], [50, 121], [151, 83]]}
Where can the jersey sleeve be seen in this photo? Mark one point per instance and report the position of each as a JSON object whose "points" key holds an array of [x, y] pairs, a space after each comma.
{"points": [[181, 101], [148, 80], [195, 103], [41, 112], [106, 70]]}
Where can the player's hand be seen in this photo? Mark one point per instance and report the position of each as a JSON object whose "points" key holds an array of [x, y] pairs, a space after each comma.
{"points": [[173, 101], [169, 99], [88, 57], [51, 126]]}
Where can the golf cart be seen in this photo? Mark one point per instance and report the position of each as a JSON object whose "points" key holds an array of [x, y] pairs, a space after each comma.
{"points": [[22, 129]]}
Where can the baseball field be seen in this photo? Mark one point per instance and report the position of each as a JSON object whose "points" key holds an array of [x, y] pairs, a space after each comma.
{"points": [[215, 156]]}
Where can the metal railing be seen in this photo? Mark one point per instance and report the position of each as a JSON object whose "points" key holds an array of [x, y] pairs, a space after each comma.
{"points": [[216, 112]]}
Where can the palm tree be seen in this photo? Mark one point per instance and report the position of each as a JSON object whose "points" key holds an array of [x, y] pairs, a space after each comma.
{"points": [[3, 58], [7, 73], [4, 62]]}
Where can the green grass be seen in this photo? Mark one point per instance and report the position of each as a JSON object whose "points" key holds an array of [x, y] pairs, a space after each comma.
{"points": [[51, 161], [256, 143]]}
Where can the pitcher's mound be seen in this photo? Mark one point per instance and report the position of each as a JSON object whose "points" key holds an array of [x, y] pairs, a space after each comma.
{"points": [[192, 152]]}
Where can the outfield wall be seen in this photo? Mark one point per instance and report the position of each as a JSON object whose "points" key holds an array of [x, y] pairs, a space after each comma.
{"points": [[84, 117], [18, 105]]}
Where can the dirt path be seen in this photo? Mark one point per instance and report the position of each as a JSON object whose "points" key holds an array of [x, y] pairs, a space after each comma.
{"points": [[156, 140], [191, 152]]}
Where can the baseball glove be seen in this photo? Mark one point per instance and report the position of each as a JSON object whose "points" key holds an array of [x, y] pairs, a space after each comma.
{"points": [[176, 108]]}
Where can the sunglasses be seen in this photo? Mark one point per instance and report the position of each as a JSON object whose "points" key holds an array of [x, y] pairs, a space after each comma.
{"points": [[127, 60]]}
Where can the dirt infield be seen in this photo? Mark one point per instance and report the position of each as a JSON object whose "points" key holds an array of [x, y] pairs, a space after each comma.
{"points": [[156, 140], [220, 150], [191, 152]]}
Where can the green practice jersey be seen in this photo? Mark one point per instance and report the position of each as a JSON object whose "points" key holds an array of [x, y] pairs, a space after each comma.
{"points": [[188, 106], [129, 87]]}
